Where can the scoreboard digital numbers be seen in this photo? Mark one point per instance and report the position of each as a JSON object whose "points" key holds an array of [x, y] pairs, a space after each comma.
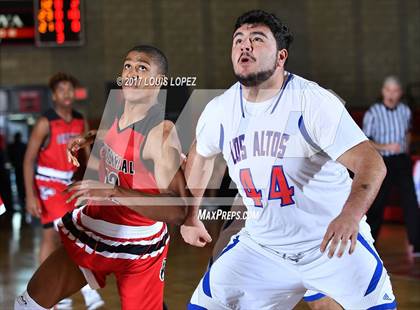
{"points": [[16, 22], [59, 23]]}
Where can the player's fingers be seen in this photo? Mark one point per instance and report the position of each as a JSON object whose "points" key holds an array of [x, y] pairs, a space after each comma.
{"points": [[353, 243], [200, 243], [72, 147], [73, 160], [207, 237], [36, 210], [343, 246], [68, 155], [76, 146], [327, 237], [333, 245], [73, 186], [77, 194]]}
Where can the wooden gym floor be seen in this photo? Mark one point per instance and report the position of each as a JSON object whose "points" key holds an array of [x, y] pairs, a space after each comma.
{"points": [[19, 251]]}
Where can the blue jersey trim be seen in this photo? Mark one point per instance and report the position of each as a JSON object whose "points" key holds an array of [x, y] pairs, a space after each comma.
{"points": [[206, 279], [391, 305], [305, 134], [313, 297], [221, 138], [241, 100], [379, 267], [289, 77], [206, 284], [235, 241], [191, 306]]}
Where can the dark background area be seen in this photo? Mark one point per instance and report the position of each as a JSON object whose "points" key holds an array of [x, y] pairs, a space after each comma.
{"points": [[347, 46]]}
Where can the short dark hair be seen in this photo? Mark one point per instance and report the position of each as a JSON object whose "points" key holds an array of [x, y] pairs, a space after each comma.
{"points": [[62, 77], [280, 31], [156, 54]]}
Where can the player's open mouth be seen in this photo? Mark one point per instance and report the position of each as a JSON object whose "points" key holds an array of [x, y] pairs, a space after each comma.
{"points": [[245, 59]]}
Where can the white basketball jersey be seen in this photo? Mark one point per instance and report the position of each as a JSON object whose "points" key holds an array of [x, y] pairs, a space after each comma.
{"points": [[282, 154]]}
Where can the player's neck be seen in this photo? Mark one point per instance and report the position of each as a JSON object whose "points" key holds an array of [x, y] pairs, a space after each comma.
{"points": [[64, 112], [267, 89], [133, 112]]}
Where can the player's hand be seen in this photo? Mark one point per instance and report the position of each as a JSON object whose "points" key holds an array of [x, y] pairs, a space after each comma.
{"points": [[195, 233], [73, 146], [33, 207], [342, 230], [393, 147], [76, 143], [89, 189]]}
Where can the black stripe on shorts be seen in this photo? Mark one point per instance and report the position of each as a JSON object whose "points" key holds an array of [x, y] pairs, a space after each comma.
{"points": [[134, 249]]}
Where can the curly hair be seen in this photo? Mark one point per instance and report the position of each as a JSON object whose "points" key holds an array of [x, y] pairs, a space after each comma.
{"points": [[62, 77], [280, 31]]}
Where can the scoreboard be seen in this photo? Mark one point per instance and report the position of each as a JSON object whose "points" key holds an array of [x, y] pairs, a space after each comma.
{"points": [[58, 23], [16, 22], [42, 22]]}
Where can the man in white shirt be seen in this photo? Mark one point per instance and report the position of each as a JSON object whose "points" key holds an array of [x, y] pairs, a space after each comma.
{"points": [[288, 144]]}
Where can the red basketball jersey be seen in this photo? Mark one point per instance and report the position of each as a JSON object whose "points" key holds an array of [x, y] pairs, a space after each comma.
{"points": [[52, 160], [121, 163]]}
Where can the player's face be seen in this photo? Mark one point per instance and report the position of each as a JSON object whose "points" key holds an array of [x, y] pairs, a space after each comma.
{"points": [[63, 94], [391, 93], [254, 54], [140, 76]]}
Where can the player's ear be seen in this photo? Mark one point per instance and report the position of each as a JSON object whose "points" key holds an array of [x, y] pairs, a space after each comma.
{"points": [[54, 97], [282, 57]]}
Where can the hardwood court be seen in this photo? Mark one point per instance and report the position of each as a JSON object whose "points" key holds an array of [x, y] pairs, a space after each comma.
{"points": [[186, 265]]}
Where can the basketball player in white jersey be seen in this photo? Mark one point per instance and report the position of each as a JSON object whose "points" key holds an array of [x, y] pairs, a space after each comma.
{"points": [[287, 143]]}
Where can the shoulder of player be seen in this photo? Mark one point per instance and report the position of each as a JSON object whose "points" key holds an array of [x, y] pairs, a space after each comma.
{"points": [[42, 124], [161, 131], [162, 136], [224, 99], [41, 128], [50, 115], [319, 98]]}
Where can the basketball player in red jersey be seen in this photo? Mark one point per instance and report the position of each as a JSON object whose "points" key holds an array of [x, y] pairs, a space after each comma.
{"points": [[44, 186], [140, 157]]}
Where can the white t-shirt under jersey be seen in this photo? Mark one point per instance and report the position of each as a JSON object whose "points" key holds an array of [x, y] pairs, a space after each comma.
{"points": [[282, 157]]}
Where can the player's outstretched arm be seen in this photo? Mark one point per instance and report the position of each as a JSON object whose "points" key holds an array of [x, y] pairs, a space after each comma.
{"points": [[198, 171], [164, 149], [38, 136], [369, 171]]}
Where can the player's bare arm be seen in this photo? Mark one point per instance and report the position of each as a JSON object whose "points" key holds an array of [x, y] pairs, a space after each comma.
{"points": [[198, 172], [369, 171], [38, 136], [164, 149], [391, 147], [86, 150]]}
